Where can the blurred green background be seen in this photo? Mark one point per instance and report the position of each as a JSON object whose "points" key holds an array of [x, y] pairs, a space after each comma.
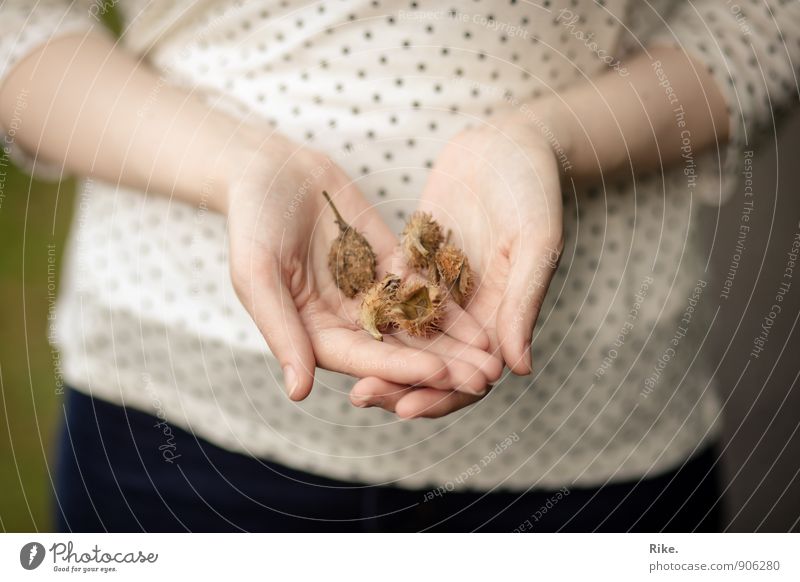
{"points": [[34, 219], [33, 215]]}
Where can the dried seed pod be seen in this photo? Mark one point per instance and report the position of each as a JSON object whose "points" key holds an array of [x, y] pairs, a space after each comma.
{"points": [[419, 308], [351, 258], [377, 303], [452, 272], [422, 237]]}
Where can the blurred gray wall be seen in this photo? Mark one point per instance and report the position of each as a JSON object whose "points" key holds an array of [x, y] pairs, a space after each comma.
{"points": [[762, 436]]}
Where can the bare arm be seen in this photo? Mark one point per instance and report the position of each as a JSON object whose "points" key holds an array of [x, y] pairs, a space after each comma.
{"points": [[635, 122], [100, 112], [505, 178]]}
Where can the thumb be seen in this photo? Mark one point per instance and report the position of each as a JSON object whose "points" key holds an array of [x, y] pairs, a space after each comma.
{"points": [[263, 292], [517, 315]]}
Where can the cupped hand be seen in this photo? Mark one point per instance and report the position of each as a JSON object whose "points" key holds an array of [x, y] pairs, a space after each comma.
{"points": [[497, 188], [281, 229]]}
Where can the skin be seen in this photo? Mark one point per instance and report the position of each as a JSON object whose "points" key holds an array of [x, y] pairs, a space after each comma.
{"points": [[280, 270], [498, 187], [99, 112]]}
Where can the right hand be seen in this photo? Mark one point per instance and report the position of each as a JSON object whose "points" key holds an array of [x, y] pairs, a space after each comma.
{"points": [[280, 232]]}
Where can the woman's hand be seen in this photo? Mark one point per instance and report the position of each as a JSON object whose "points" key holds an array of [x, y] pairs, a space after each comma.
{"points": [[497, 188], [280, 230]]}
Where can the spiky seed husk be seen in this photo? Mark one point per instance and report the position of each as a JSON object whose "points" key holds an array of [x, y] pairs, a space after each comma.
{"points": [[376, 305], [422, 237], [452, 271], [351, 258], [419, 308]]}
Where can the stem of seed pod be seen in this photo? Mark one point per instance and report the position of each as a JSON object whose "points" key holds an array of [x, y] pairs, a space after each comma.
{"points": [[339, 220]]}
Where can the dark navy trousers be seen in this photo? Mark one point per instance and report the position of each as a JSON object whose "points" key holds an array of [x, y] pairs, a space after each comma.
{"points": [[117, 472]]}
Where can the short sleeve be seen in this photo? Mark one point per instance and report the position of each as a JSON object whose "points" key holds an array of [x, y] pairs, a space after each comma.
{"points": [[24, 26], [752, 50]]}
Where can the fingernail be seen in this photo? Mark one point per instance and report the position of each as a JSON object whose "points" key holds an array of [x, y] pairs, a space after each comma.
{"points": [[367, 401], [360, 400], [374, 401], [472, 390], [290, 379]]}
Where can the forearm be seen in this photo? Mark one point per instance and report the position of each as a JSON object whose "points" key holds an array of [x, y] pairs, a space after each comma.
{"points": [[101, 113], [637, 122]]}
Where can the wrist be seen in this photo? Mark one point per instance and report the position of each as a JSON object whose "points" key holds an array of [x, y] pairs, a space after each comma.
{"points": [[549, 121], [247, 158]]}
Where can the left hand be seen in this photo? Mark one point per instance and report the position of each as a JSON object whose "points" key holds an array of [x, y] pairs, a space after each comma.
{"points": [[498, 189]]}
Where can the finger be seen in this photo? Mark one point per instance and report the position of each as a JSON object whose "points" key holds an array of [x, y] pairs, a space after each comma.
{"points": [[431, 403], [463, 375], [460, 325], [491, 366], [356, 353], [527, 286], [483, 307], [373, 391], [272, 307]]}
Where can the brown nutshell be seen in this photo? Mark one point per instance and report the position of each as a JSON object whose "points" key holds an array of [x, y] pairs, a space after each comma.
{"points": [[419, 308], [351, 259], [376, 305], [422, 237], [452, 271]]}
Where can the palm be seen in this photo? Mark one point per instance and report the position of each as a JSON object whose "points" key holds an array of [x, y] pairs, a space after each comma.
{"points": [[497, 190], [284, 263]]}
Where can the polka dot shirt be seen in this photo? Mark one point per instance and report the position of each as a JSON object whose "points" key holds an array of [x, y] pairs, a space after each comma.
{"points": [[147, 316]]}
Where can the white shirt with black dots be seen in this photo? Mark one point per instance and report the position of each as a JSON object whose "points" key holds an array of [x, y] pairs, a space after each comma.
{"points": [[147, 315]]}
